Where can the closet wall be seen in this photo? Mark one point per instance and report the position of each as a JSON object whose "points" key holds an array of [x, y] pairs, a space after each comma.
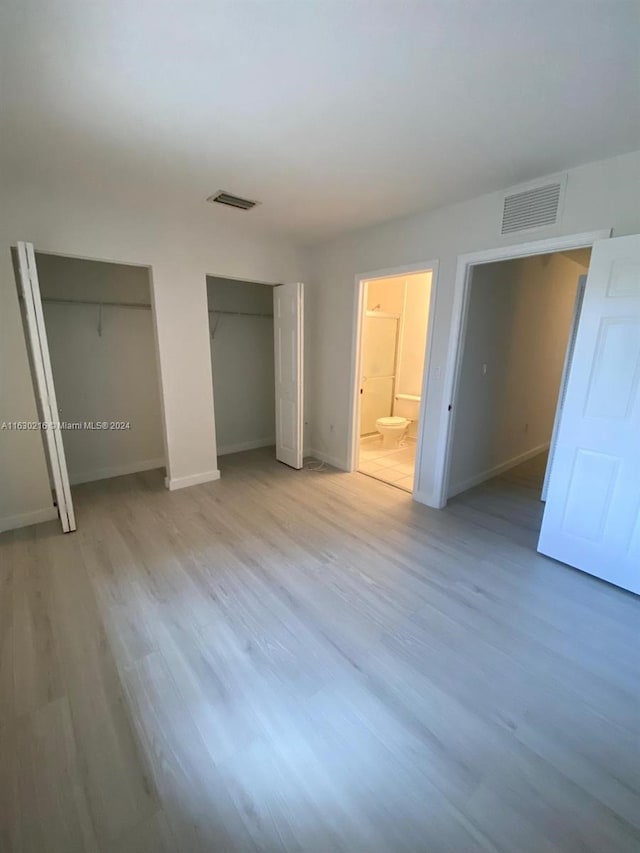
{"points": [[241, 330], [104, 364]]}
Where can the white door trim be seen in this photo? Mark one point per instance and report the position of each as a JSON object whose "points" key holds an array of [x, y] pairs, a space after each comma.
{"points": [[356, 356], [288, 329], [458, 331], [44, 385]]}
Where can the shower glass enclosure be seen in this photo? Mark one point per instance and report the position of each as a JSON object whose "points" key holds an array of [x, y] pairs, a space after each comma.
{"points": [[379, 359]]}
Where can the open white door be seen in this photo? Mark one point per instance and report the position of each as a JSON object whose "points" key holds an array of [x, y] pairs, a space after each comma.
{"points": [[592, 515], [288, 308], [45, 391]]}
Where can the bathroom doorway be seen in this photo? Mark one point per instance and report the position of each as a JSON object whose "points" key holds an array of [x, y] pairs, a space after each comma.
{"points": [[392, 346]]}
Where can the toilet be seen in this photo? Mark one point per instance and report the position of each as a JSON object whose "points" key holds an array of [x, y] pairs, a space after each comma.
{"points": [[406, 409], [392, 430]]}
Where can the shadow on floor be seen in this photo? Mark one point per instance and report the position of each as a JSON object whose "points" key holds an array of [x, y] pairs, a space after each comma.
{"points": [[509, 504]]}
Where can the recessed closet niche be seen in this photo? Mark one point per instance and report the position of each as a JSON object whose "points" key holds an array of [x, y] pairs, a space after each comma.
{"points": [[99, 323], [241, 333]]}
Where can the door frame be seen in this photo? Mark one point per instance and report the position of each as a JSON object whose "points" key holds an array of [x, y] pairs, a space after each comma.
{"points": [[458, 332], [272, 284], [356, 356], [43, 382], [154, 321], [294, 457]]}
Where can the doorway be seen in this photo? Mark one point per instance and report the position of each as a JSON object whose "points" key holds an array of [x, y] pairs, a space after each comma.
{"points": [[94, 365], [391, 351], [100, 329], [257, 357], [241, 340], [520, 319]]}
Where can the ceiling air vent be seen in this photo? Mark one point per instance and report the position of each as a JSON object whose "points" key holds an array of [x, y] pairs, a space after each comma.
{"points": [[222, 197], [532, 208]]}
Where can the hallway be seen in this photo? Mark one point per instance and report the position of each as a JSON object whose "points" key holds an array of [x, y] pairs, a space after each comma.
{"points": [[508, 504]]}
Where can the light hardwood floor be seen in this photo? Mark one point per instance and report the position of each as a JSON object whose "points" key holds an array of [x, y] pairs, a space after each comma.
{"points": [[508, 504], [308, 661]]}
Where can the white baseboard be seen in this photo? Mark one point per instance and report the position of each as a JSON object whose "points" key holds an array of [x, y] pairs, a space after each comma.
{"points": [[324, 457], [173, 483], [24, 519], [246, 445], [422, 497], [116, 471], [497, 469]]}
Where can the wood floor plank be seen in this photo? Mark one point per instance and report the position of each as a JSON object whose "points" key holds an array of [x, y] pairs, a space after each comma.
{"points": [[116, 777], [49, 809], [195, 794], [309, 661], [8, 560], [151, 836]]}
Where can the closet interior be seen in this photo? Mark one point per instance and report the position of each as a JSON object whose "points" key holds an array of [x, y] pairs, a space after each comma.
{"points": [[241, 333], [100, 328]]}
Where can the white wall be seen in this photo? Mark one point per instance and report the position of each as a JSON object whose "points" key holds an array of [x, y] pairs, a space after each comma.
{"points": [[181, 244], [518, 325], [112, 376], [598, 195], [243, 365], [386, 294]]}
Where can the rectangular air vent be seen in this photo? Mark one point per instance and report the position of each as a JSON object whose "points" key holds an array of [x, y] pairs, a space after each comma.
{"points": [[532, 208], [222, 197]]}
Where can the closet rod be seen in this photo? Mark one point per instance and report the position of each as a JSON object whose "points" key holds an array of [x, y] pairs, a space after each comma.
{"points": [[142, 305], [242, 314], [96, 302]]}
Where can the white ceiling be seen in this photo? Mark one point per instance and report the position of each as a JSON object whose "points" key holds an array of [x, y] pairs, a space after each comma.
{"points": [[333, 113]]}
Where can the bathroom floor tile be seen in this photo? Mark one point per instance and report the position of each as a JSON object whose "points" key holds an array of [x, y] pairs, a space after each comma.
{"points": [[369, 453], [386, 461], [405, 483], [370, 468], [391, 475], [405, 467], [393, 465], [407, 454]]}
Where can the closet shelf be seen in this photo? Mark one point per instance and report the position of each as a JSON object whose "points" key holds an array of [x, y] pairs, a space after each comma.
{"points": [[243, 314], [97, 302], [108, 303]]}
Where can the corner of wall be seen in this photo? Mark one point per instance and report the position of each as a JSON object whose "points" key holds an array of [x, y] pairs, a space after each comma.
{"points": [[26, 519], [173, 483]]}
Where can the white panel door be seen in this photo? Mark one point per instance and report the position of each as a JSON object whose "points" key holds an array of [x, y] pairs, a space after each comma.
{"points": [[592, 515], [45, 390], [288, 313]]}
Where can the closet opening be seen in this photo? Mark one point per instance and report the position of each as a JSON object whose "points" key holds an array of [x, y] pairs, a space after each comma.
{"points": [[100, 330], [241, 330]]}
